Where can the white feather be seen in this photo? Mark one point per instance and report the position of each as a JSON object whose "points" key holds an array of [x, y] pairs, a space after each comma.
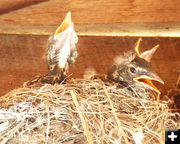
{"points": [[65, 43]]}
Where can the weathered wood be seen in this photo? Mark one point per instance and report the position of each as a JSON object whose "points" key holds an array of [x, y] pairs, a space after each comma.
{"points": [[22, 57], [118, 29], [97, 11], [7, 5]]}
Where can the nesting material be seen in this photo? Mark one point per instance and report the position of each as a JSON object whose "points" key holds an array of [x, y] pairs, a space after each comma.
{"points": [[83, 111]]}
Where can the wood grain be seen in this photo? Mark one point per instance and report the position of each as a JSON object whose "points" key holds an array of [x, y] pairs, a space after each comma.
{"points": [[110, 29], [22, 57], [7, 5], [96, 11]]}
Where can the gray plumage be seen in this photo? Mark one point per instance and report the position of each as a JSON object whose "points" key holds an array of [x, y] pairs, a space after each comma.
{"points": [[135, 71]]}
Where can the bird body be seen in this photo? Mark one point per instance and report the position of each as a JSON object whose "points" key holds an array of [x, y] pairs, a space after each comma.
{"points": [[62, 48], [62, 51]]}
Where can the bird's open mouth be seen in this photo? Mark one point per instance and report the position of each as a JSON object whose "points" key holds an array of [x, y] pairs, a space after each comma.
{"points": [[64, 25], [147, 81]]}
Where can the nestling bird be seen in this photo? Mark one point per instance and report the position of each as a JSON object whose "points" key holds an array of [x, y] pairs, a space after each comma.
{"points": [[62, 51], [134, 70]]}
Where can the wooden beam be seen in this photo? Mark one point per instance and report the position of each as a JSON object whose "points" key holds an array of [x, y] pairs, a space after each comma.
{"points": [[118, 29], [53, 12], [8, 6]]}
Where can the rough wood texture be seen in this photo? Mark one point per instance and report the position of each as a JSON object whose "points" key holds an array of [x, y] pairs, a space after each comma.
{"points": [[23, 56], [7, 5], [119, 29], [97, 11]]}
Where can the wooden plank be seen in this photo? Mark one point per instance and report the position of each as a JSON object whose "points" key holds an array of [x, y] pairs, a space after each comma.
{"points": [[96, 11], [7, 6], [45, 13], [23, 56], [114, 11], [118, 29]]}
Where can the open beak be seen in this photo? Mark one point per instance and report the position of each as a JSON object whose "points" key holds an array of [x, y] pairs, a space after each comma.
{"points": [[64, 42], [147, 81], [64, 25]]}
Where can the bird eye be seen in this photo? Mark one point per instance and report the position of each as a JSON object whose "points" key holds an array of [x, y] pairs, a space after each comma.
{"points": [[133, 70]]}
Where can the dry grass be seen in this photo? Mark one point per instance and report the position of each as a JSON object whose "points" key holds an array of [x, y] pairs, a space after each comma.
{"points": [[83, 111]]}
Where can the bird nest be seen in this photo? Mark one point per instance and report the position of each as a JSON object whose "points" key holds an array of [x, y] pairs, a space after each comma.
{"points": [[83, 111]]}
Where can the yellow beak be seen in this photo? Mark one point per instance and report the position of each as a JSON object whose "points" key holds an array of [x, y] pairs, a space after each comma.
{"points": [[65, 24], [147, 80]]}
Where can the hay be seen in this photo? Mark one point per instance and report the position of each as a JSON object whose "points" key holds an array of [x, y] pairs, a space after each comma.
{"points": [[83, 111]]}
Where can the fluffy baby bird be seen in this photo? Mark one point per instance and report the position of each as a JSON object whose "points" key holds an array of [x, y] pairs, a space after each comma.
{"points": [[134, 70], [62, 51]]}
